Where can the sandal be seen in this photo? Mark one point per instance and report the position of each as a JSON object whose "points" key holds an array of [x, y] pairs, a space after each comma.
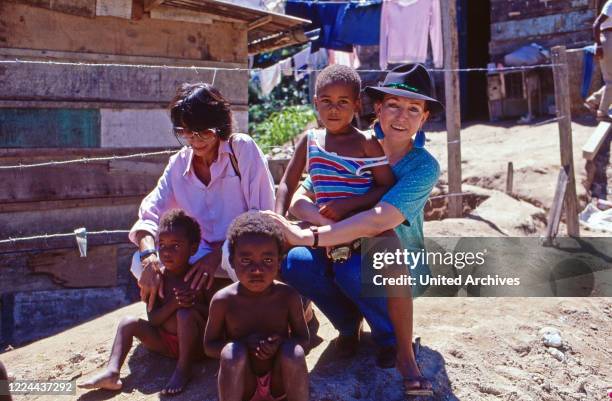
{"points": [[423, 389]]}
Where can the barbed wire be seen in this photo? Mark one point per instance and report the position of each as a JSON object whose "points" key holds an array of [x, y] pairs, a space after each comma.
{"points": [[61, 235], [241, 69], [87, 160], [108, 232]]}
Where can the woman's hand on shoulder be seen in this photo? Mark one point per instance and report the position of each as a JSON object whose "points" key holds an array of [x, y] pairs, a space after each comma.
{"points": [[202, 273], [150, 281]]}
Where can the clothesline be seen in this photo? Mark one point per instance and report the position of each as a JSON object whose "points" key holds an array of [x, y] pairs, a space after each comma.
{"points": [[240, 69]]}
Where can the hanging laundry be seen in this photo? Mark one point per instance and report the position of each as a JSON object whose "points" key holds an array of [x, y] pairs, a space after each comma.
{"points": [[269, 78], [405, 27], [286, 67], [300, 63], [318, 60], [360, 24], [343, 58], [326, 16]]}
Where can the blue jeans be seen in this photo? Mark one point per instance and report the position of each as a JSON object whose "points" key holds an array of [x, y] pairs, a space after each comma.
{"points": [[338, 295]]}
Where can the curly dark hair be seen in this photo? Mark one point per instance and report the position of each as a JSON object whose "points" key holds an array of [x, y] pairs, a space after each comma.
{"points": [[201, 106], [177, 219], [339, 74], [254, 223]]}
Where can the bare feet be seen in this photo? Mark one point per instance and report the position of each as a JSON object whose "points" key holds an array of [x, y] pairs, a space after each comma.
{"points": [[177, 382], [107, 380]]}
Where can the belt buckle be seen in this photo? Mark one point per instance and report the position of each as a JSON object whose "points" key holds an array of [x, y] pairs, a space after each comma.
{"points": [[340, 253]]}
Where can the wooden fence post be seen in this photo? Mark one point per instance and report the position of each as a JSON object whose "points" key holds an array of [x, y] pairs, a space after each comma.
{"points": [[562, 102], [453, 115]]}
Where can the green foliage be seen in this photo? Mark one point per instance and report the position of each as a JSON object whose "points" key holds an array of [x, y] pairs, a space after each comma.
{"points": [[281, 126]]}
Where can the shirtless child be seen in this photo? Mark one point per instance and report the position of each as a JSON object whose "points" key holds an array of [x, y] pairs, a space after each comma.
{"points": [[176, 323], [256, 326]]}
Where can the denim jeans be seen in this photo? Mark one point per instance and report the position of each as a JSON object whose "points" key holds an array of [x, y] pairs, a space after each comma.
{"points": [[337, 292]]}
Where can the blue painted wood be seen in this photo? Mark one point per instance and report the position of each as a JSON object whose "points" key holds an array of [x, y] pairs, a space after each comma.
{"points": [[49, 128], [546, 25]]}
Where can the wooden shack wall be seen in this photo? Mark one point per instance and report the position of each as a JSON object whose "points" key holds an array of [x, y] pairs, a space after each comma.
{"points": [[61, 112], [515, 23]]}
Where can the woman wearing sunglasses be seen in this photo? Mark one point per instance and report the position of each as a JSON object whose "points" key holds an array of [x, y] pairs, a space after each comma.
{"points": [[215, 177]]}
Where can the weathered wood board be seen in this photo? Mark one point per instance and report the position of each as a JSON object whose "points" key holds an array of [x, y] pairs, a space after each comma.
{"points": [[108, 35], [504, 10], [27, 316], [49, 128], [544, 25], [83, 8], [111, 83], [591, 147]]}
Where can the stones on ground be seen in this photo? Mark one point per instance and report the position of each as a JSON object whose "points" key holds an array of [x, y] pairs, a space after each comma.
{"points": [[558, 355], [551, 337]]}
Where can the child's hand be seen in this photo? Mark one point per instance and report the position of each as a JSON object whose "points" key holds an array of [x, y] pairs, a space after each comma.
{"points": [[185, 298], [268, 347], [334, 210]]}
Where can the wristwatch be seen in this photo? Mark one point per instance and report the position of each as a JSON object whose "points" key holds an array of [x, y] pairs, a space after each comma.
{"points": [[315, 234], [146, 252]]}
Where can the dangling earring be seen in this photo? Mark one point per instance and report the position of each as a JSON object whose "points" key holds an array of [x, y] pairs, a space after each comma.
{"points": [[419, 139], [378, 131]]}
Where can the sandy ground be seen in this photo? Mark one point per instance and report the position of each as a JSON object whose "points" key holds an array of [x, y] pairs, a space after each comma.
{"points": [[472, 348]]}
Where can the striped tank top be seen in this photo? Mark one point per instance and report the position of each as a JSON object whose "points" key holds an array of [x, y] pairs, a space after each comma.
{"points": [[334, 176]]}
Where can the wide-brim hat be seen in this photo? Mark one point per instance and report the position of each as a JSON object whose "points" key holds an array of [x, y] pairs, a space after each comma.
{"points": [[412, 81]]}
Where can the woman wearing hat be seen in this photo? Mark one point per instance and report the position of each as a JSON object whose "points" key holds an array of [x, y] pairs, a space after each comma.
{"points": [[215, 177], [403, 103]]}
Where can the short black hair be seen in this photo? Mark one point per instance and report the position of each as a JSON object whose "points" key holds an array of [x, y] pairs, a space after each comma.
{"points": [[177, 219], [253, 223], [339, 74], [201, 106]]}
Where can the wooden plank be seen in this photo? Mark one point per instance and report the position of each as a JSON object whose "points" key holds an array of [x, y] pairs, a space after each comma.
{"points": [[522, 9], [592, 145], [68, 204], [66, 220], [178, 14], [149, 5], [562, 101], [17, 276], [114, 8], [509, 178], [554, 214], [38, 314], [546, 25], [98, 269], [82, 8], [36, 128], [259, 22], [129, 128], [109, 84], [26, 27], [453, 113], [578, 38]]}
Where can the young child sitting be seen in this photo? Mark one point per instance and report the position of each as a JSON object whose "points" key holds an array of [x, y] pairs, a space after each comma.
{"points": [[256, 326], [343, 162], [176, 323]]}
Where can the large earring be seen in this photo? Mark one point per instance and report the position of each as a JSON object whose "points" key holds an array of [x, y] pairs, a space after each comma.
{"points": [[419, 139], [378, 131]]}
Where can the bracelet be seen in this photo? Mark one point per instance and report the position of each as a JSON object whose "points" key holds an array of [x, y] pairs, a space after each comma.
{"points": [[315, 234], [146, 252]]}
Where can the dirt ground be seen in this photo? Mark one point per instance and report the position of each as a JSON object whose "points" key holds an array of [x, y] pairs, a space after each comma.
{"points": [[472, 348]]}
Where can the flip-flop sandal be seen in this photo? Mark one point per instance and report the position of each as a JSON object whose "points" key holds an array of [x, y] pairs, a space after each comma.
{"points": [[424, 388]]}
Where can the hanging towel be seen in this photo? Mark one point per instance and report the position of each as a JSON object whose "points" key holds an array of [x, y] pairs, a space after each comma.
{"points": [[405, 27], [286, 67], [300, 63], [360, 24], [343, 58], [325, 16], [269, 78]]}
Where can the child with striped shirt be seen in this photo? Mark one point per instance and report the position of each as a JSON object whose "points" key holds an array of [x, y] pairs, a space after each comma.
{"points": [[348, 170]]}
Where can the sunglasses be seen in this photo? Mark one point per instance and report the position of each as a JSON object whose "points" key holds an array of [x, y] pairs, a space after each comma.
{"points": [[184, 134]]}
